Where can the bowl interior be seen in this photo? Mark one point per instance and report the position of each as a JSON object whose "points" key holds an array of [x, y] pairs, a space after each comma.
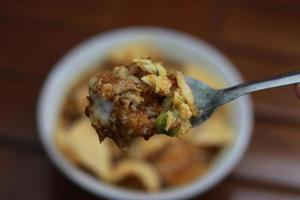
{"points": [[172, 45]]}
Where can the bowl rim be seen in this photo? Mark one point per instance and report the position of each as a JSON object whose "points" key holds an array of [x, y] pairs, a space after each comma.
{"points": [[102, 189]]}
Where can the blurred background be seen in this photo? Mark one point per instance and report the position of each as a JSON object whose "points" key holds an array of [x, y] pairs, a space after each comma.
{"points": [[261, 37]]}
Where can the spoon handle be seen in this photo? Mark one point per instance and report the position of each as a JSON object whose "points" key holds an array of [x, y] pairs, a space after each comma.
{"points": [[252, 86]]}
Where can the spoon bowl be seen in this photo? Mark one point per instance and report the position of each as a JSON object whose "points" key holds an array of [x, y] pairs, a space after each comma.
{"points": [[207, 99]]}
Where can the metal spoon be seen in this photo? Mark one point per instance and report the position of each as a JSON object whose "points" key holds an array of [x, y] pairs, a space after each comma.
{"points": [[208, 99]]}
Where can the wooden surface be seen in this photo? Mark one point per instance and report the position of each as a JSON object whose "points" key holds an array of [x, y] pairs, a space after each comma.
{"points": [[262, 37]]}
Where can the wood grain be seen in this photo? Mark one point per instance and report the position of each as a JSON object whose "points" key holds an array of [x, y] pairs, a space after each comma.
{"points": [[261, 37], [18, 105], [96, 15], [32, 50], [273, 156], [47, 37], [229, 190], [259, 27]]}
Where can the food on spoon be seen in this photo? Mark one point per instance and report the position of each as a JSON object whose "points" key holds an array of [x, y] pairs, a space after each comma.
{"points": [[139, 100]]}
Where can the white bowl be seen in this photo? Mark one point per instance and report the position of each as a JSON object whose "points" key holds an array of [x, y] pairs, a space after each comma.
{"points": [[171, 43]]}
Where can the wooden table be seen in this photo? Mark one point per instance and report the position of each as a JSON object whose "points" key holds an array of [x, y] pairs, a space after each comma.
{"points": [[262, 37]]}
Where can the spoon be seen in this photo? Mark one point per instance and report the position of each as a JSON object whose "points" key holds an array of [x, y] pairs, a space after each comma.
{"points": [[208, 99]]}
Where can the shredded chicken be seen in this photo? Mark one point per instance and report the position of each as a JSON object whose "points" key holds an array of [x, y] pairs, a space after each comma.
{"points": [[139, 100]]}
